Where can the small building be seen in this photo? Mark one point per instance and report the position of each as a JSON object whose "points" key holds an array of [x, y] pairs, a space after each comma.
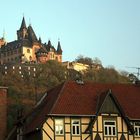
{"points": [[76, 66], [80, 67], [3, 112], [84, 111]]}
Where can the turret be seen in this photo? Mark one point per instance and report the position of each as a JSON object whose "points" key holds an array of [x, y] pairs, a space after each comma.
{"points": [[59, 50], [23, 24], [39, 40], [22, 32]]}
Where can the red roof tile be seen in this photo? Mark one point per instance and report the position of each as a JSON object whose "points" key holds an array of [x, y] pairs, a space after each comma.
{"points": [[71, 98]]}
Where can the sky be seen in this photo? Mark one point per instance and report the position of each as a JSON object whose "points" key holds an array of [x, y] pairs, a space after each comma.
{"points": [[106, 29]]}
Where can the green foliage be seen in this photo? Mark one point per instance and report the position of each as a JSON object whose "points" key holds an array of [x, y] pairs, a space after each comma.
{"points": [[24, 89], [87, 60], [105, 75]]}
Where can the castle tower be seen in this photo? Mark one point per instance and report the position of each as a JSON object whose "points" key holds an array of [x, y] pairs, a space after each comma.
{"points": [[59, 52], [2, 41], [22, 32]]}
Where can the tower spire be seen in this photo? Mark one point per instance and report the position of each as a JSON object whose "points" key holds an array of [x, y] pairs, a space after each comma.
{"points": [[59, 50], [23, 24], [3, 34]]}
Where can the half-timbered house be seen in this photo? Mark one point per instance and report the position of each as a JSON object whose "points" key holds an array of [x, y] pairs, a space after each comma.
{"points": [[85, 111]]}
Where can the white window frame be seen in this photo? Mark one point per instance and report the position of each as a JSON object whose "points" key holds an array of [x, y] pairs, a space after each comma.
{"points": [[19, 134], [59, 127], [137, 129], [76, 127], [110, 128]]}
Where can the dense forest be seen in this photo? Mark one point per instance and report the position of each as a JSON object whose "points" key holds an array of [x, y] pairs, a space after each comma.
{"points": [[24, 91]]}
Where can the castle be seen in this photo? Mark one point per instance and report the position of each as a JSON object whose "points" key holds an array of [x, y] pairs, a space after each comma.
{"points": [[28, 48]]}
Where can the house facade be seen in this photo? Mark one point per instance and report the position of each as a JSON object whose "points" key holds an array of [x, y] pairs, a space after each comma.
{"points": [[84, 111], [28, 48]]}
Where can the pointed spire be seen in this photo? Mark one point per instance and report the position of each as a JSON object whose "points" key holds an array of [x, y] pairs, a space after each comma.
{"points": [[49, 43], [40, 41], [23, 24], [3, 34], [59, 50], [31, 34]]}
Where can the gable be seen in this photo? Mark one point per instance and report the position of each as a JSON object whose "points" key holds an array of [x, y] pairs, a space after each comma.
{"points": [[109, 106]]}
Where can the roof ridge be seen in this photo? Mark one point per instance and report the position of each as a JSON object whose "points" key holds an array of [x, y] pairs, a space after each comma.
{"points": [[64, 84]]}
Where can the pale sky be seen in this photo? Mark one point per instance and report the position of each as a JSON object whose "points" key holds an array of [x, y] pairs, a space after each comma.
{"points": [[107, 29]]}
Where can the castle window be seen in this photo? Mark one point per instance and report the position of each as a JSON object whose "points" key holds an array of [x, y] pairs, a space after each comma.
{"points": [[8, 53], [28, 50], [75, 127], [59, 127], [137, 129], [60, 57], [4, 54], [109, 128], [11, 52], [15, 51]]}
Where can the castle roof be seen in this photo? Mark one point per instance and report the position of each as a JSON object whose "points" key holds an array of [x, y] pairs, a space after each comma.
{"points": [[31, 34], [16, 44], [41, 51]]}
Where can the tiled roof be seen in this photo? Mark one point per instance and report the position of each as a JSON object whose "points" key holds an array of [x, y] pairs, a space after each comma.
{"points": [[72, 98], [41, 51], [49, 46], [16, 44], [31, 34]]}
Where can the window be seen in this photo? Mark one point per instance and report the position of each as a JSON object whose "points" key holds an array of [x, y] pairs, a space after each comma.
{"points": [[109, 128], [137, 129], [28, 50], [59, 127], [75, 127], [19, 134], [15, 51]]}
